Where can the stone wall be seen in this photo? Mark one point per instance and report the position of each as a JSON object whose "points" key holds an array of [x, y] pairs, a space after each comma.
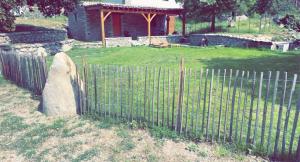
{"points": [[33, 36], [119, 42], [228, 40], [51, 48], [77, 23], [128, 41]]}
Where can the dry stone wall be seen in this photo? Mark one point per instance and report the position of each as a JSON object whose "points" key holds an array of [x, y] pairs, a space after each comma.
{"points": [[229, 40], [34, 36]]}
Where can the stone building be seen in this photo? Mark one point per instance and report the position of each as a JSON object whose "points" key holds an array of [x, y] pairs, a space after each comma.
{"points": [[94, 21]]}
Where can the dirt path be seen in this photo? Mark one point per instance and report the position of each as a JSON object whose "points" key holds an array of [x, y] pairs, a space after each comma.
{"points": [[28, 135]]}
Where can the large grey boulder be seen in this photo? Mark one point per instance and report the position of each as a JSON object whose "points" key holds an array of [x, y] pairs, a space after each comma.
{"points": [[61, 89]]}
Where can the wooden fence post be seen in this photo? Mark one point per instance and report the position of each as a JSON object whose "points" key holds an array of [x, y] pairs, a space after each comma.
{"points": [[180, 94]]}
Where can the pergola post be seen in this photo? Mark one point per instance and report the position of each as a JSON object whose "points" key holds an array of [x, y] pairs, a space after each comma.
{"points": [[103, 18], [183, 24], [149, 18]]}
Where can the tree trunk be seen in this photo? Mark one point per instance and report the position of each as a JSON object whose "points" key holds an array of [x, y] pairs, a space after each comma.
{"points": [[213, 23]]}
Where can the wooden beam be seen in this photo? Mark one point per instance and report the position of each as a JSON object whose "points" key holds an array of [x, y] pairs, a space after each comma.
{"points": [[144, 16], [152, 17], [149, 27], [107, 14], [102, 28], [183, 24]]}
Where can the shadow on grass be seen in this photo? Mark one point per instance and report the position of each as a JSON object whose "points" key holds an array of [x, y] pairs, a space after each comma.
{"points": [[281, 62]]}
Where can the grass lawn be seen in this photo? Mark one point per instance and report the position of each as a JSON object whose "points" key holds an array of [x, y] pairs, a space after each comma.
{"points": [[57, 22], [196, 58]]}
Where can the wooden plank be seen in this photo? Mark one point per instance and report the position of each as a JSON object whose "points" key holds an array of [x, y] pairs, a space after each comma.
{"points": [[296, 118], [262, 140], [198, 101], [187, 103], [215, 106], [288, 112], [227, 105], [258, 107], [272, 110], [221, 106], [209, 103], [251, 109], [158, 97], [233, 104], [239, 108], [280, 115]]}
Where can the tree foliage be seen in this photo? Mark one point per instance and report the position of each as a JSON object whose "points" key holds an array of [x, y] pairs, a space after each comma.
{"points": [[47, 7]]}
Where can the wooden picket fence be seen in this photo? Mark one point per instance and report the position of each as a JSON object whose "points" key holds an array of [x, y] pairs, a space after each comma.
{"points": [[28, 71], [256, 111]]}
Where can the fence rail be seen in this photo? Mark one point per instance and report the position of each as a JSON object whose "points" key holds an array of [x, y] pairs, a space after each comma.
{"points": [[27, 71], [252, 110]]}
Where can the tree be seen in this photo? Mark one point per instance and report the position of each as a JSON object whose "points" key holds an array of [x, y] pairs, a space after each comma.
{"points": [[47, 7], [210, 8]]}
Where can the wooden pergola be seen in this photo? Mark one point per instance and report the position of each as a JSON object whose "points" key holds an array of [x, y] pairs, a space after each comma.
{"points": [[147, 12]]}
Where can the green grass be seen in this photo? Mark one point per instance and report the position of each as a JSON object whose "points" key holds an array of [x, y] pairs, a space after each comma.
{"points": [[57, 22], [196, 58]]}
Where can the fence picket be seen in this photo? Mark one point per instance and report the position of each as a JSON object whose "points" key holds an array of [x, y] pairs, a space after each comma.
{"points": [[257, 107], [296, 118], [209, 102], [173, 101], [215, 106], [168, 100], [227, 105], [163, 100], [272, 109], [204, 101], [145, 91], [193, 102], [262, 140], [187, 103], [233, 104], [280, 115], [221, 108], [251, 109], [198, 101], [288, 114], [158, 97], [153, 94], [239, 108]]}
